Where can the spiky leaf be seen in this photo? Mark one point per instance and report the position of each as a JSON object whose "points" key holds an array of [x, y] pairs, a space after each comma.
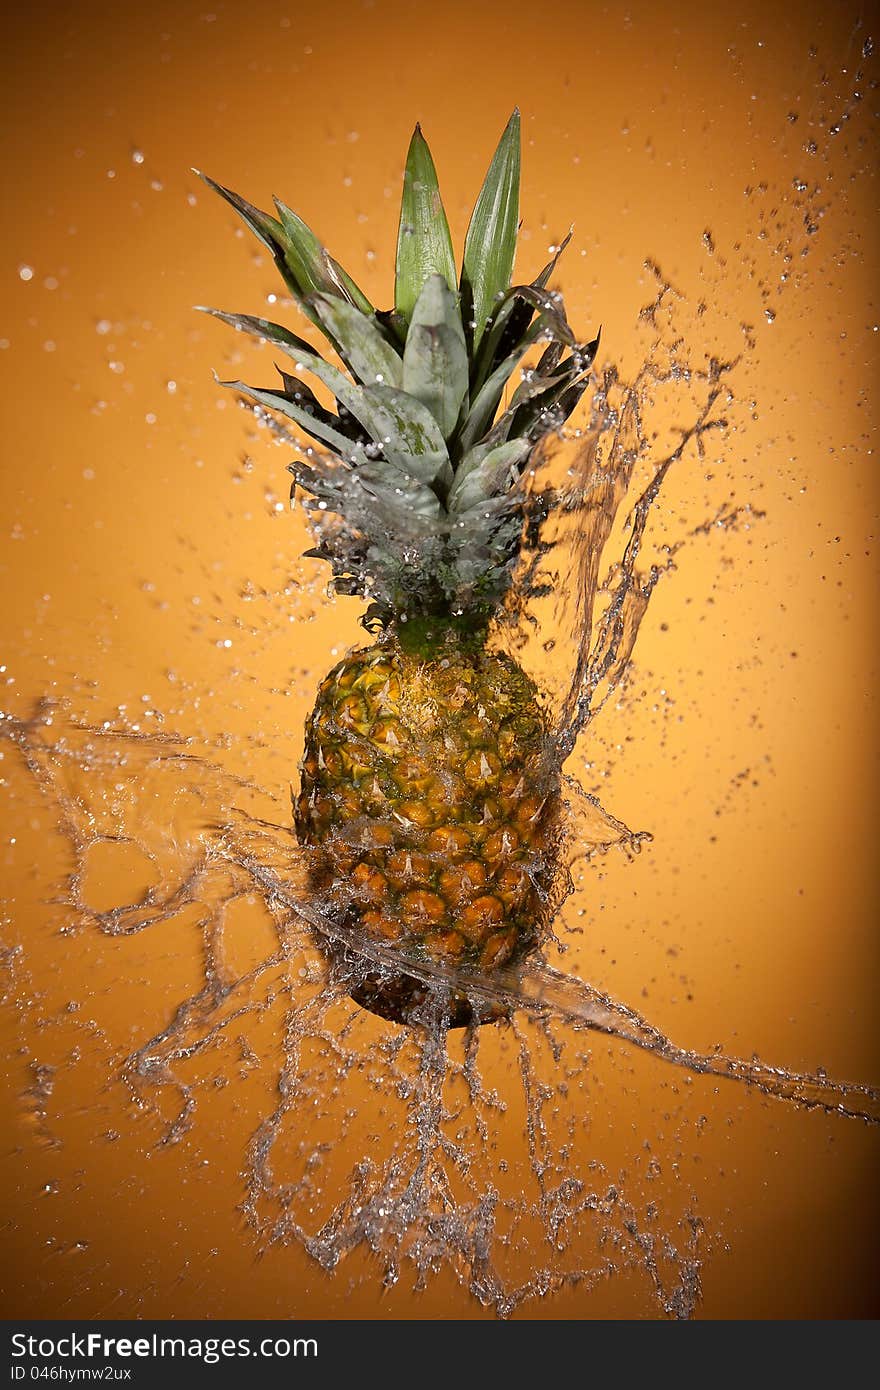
{"points": [[409, 434], [547, 405], [346, 286], [304, 356], [400, 426], [266, 228], [361, 342], [313, 268], [551, 323], [491, 237], [299, 411], [435, 363], [299, 391], [303, 262], [486, 471], [393, 519], [362, 494], [483, 408], [511, 321], [424, 245], [551, 386]]}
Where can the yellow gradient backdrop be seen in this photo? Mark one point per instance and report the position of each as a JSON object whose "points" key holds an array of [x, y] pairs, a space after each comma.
{"points": [[142, 529]]}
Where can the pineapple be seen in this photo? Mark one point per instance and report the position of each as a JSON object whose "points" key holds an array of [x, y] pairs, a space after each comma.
{"points": [[430, 786]]}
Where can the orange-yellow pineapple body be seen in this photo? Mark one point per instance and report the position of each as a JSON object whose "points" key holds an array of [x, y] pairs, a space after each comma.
{"points": [[430, 790]]}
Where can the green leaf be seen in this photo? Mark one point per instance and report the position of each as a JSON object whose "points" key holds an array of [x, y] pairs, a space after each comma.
{"points": [[392, 324], [400, 426], [551, 309], [491, 238], [485, 472], [302, 354], [369, 500], [409, 434], [395, 492], [435, 363], [269, 231], [300, 392], [537, 383], [337, 481], [482, 411], [485, 542], [312, 267], [511, 321], [424, 246], [551, 323], [361, 342], [313, 424], [545, 406], [545, 399], [304, 263], [348, 289]]}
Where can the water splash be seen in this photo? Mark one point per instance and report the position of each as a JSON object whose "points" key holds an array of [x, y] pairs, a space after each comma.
{"points": [[424, 1203]]}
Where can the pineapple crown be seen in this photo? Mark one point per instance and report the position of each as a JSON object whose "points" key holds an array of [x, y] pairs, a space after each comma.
{"points": [[415, 492]]}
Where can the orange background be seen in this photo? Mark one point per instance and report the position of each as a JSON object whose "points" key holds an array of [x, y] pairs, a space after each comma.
{"points": [[131, 489]]}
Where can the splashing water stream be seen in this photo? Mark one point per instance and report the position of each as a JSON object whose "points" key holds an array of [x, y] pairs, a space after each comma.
{"points": [[422, 1204], [407, 1208]]}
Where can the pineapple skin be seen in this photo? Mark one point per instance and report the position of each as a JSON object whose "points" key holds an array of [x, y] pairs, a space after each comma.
{"points": [[432, 798]]}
